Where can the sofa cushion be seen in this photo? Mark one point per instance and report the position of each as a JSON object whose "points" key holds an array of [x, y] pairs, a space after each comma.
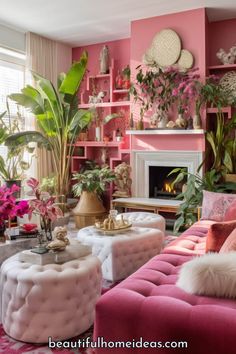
{"points": [[217, 234], [230, 213], [214, 205], [230, 243], [192, 241], [210, 274]]}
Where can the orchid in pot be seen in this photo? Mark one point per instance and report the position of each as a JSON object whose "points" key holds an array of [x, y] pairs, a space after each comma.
{"points": [[9, 207], [185, 91], [44, 206]]}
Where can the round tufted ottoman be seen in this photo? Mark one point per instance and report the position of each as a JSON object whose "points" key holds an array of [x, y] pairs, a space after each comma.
{"points": [[125, 252], [53, 300], [144, 219]]}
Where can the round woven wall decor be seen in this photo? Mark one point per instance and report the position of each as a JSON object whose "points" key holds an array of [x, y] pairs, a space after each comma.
{"points": [[186, 59], [228, 84], [166, 47]]}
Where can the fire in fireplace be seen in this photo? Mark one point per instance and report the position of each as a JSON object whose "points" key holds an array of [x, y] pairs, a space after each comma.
{"points": [[161, 185]]}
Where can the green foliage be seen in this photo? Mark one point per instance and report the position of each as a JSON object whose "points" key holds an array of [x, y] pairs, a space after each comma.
{"points": [[193, 194], [93, 180], [57, 115], [14, 166], [48, 185], [154, 86], [223, 144]]}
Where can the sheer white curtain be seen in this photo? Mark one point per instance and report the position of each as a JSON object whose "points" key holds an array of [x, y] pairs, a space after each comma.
{"points": [[47, 58]]}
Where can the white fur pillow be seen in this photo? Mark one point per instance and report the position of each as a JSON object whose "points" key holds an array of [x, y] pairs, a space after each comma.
{"points": [[213, 274]]}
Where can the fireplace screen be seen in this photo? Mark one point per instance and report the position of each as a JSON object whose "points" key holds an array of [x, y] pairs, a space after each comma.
{"points": [[161, 185]]}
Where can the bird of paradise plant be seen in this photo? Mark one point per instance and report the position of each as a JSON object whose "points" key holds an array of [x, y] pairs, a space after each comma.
{"points": [[58, 117]]}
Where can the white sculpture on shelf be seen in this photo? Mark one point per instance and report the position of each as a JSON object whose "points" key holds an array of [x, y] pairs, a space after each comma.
{"points": [[227, 58], [98, 98], [123, 181], [104, 60]]}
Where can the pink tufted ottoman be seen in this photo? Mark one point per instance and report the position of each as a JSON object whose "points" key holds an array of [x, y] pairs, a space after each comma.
{"points": [[123, 253], [144, 219], [51, 300]]}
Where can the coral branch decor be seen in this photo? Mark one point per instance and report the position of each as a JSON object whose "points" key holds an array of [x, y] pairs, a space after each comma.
{"points": [[44, 206]]}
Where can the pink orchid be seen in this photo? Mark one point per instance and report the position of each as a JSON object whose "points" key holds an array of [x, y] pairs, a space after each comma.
{"points": [[9, 207]]}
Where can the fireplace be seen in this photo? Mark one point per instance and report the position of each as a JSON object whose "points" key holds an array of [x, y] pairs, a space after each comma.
{"points": [[161, 184], [144, 161]]}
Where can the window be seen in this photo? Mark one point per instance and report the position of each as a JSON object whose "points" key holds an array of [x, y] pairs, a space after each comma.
{"points": [[11, 80]]}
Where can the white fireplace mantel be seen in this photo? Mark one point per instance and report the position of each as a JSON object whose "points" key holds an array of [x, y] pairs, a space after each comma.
{"points": [[142, 160], [166, 132]]}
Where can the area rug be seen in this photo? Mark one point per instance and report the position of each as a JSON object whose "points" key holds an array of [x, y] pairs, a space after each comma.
{"points": [[11, 346]]}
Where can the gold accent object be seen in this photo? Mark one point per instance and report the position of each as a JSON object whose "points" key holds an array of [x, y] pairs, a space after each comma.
{"points": [[111, 225]]}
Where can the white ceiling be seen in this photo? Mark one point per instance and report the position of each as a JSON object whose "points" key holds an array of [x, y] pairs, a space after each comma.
{"points": [[79, 22]]}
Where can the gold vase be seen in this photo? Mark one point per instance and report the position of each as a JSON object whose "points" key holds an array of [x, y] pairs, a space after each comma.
{"points": [[88, 209]]}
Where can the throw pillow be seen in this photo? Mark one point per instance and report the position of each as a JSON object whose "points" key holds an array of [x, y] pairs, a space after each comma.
{"points": [[230, 243], [217, 234], [230, 213], [214, 205], [212, 274]]}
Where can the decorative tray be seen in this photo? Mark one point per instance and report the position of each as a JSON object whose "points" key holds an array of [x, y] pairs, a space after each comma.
{"points": [[113, 231]]}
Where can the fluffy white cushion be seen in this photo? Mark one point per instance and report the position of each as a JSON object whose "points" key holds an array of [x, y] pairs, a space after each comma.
{"points": [[213, 274]]}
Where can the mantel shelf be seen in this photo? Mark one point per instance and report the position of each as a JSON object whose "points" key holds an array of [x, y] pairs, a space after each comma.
{"points": [[105, 104], [222, 67], [165, 132]]}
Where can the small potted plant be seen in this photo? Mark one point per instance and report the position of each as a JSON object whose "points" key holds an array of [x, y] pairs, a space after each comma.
{"points": [[89, 186], [13, 168], [126, 77]]}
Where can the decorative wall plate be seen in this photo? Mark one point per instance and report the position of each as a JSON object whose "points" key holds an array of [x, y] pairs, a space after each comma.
{"points": [[186, 59], [166, 47], [228, 84]]}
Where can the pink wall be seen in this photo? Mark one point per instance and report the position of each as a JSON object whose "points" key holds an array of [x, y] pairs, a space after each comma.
{"points": [[195, 142], [190, 25], [221, 35], [119, 51]]}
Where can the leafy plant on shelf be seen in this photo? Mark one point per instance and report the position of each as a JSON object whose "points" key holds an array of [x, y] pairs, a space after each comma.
{"points": [[93, 180], [193, 193], [16, 163], [154, 86], [58, 117]]}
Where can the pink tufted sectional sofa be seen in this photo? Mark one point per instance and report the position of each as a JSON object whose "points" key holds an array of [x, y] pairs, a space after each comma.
{"points": [[148, 304]]}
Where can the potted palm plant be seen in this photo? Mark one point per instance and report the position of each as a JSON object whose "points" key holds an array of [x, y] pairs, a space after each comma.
{"points": [[58, 117], [89, 187]]}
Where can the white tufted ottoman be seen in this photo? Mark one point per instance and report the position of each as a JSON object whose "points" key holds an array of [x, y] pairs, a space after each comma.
{"points": [[124, 253], [144, 219], [51, 300]]}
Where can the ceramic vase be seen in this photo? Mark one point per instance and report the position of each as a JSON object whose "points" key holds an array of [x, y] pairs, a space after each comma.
{"points": [[98, 133], [181, 122], [197, 122]]}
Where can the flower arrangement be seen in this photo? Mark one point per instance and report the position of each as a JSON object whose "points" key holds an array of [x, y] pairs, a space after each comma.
{"points": [[9, 207], [186, 89], [44, 206], [154, 86]]}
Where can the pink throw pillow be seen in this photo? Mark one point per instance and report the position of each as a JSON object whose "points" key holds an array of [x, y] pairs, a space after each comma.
{"points": [[230, 243], [230, 213], [214, 205], [217, 234]]}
